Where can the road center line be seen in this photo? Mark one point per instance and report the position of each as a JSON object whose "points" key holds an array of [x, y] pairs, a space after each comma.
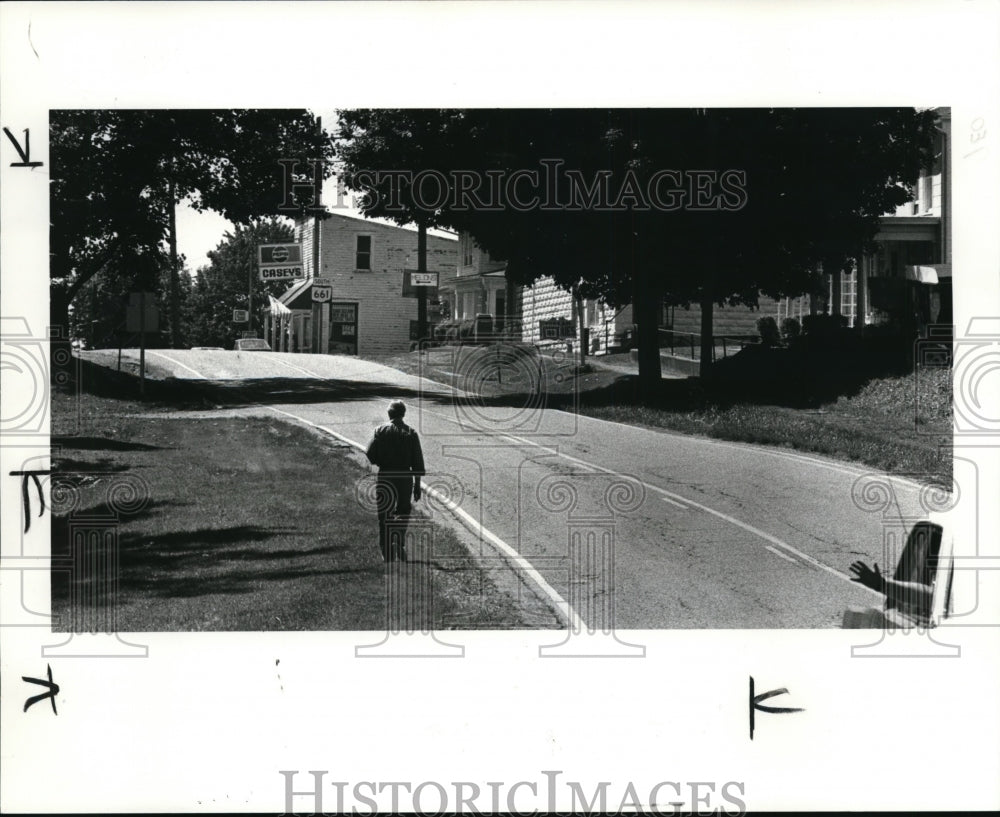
{"points": [[674, 502], [298, 369], [774, 540], [562, 607], [520, 560], [176, 363], [777, 552]]}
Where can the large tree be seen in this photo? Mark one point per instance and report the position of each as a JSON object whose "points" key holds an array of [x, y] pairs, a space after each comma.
{"points": [[224, 284], [117, 176], [678, 206]]}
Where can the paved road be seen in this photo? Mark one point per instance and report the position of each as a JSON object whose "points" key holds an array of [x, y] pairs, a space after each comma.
{"points": [[633, 528]]}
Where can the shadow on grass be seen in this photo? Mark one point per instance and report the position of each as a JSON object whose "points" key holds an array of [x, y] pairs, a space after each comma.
{"points": [[65, 468], [186, 564], [100, 444]]}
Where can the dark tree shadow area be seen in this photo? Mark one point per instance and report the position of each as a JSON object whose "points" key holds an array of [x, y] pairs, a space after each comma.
{"points": [[813, 371], [196, 395], [808, 374]]}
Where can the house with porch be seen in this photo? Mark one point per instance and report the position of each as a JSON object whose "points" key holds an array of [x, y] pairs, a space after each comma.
{"points": [[906, 282], [540, 314]]}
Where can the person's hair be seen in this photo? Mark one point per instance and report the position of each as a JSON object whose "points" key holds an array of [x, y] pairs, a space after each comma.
{"points": [[397, 408]]}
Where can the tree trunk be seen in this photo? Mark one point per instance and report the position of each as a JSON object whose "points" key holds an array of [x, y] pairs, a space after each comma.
{"points": [[60, 350], [421, 291], [175, 280], [645, 314], [707, 330]]}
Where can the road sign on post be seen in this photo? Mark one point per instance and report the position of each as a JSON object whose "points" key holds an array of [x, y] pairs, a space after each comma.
{"points": [[241, 316], [280, 262], [414, 281], [321, 294], [141, 314]]}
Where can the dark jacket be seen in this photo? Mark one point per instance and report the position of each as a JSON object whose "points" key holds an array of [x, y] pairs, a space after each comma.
{"points": [[395, 448]]}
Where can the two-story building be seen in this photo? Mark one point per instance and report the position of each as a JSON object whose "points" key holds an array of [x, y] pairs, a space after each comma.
{"points": [[540, 314], [372, 306], [478, 286]]}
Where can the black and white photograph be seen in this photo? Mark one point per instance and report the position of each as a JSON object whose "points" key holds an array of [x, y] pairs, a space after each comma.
{"points": [[392, 438]]}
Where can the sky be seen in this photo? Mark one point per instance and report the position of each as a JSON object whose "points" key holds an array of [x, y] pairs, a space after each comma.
{"points": [[197, 233]]}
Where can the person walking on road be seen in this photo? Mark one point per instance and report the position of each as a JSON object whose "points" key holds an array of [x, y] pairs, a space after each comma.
{"points": [[395, 450]]}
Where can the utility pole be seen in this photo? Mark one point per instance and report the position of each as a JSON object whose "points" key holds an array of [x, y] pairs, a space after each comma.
{"points": [[175, 280], [253, 250], [142, 343], [421, 290], [319, 310]]}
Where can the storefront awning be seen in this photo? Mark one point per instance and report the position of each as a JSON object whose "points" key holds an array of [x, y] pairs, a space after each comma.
{"points": [[277, 307]]}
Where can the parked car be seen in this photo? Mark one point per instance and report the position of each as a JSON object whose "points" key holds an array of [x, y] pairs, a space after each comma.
{"points": [[252, 345], [207, 349]]}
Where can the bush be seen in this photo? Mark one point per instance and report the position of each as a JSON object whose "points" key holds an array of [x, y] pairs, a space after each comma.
{"points": [[823, 325], [768, 329], [790, 329]]}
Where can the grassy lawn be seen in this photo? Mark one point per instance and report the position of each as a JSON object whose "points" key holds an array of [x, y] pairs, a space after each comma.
{"points": [[241, 523], [900, 425], [881, 426]]}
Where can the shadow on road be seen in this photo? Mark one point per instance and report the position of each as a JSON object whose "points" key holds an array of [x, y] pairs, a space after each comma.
{"points": [[198, 395]]}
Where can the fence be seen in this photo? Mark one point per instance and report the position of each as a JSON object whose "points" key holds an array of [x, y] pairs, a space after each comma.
{"points": [[680, 343]]}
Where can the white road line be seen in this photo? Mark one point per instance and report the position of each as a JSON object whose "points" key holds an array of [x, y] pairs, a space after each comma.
{"points": [[774, 540], [842, 468], [777, 552], [561, 606], [199, 375], [296, 368], [674, 502], [529, 569]]}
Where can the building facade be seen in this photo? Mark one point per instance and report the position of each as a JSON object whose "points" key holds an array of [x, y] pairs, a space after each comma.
{"points": [[550, 315], [368, 305], [478, 286], [540, 314], [904, 283]]}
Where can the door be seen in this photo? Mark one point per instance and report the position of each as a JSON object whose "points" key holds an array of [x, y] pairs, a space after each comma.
{"points": [[343, 329]]}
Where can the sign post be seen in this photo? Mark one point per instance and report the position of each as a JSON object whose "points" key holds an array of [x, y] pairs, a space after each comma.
{"points": [[142, 344], [141, 316]]}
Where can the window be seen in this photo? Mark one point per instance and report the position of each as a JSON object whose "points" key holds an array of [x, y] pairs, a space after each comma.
{"points": [[849, 296], [467, 245], [363, 252]]}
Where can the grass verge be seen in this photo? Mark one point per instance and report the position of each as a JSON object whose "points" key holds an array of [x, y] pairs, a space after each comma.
{"points": [[901, 425], [240, 523]]}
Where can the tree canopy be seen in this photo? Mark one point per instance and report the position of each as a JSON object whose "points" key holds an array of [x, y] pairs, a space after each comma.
{"points": [[646, 206], [117, 175], [222, 285]]}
